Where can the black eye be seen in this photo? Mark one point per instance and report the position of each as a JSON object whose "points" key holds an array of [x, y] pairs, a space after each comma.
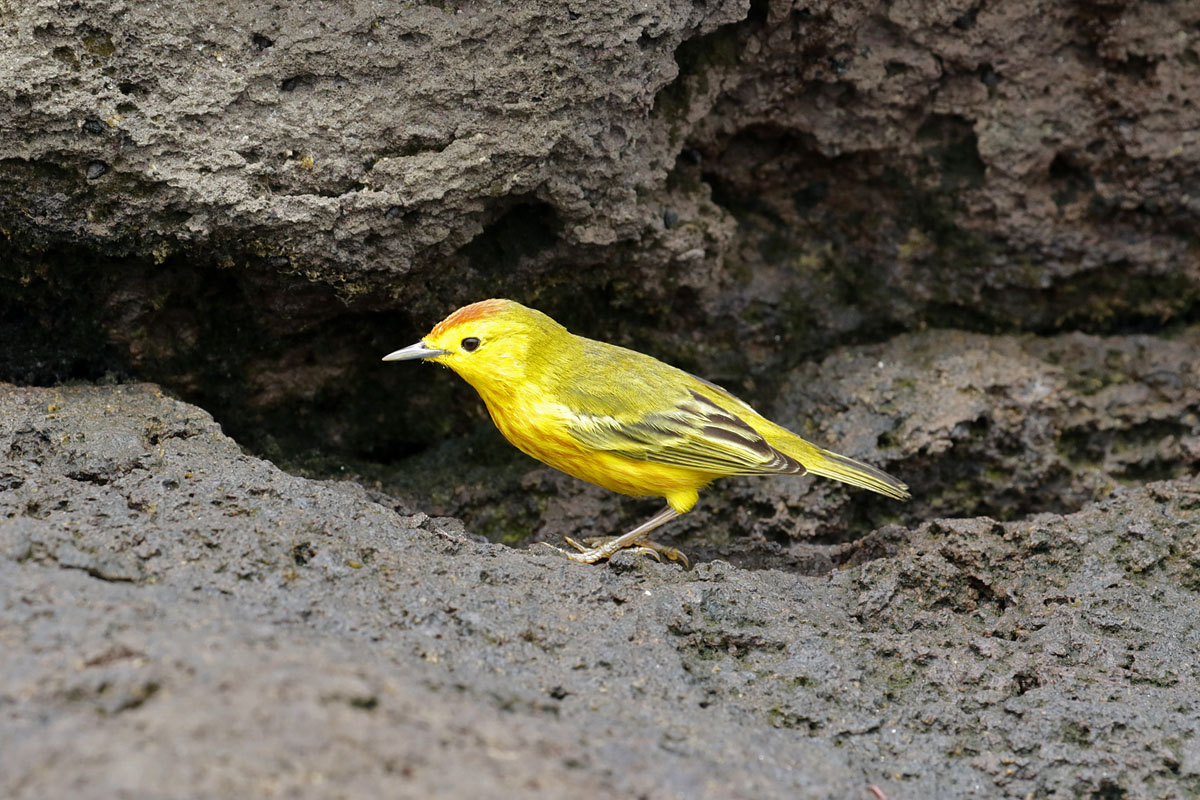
{"points": [[470, 344]]}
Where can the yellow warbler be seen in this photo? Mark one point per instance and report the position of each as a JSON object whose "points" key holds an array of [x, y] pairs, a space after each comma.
{"points": [[618, 418]]}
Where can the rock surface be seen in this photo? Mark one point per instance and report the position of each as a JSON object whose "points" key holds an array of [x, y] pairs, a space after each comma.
{"points": [[958, 240], [180, 620], [241, 203]]}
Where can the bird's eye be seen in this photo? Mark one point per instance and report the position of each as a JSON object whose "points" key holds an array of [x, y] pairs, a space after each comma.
{"points": [[470, 344]]}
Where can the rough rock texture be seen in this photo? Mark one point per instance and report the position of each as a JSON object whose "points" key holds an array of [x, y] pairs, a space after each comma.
{"points": [[761, 180], [336, 138], [182, 620], [1007, 426], [983, 164], [956, 239]]}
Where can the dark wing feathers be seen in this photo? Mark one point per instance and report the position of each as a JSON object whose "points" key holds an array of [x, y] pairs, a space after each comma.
{"points": [[696, 433]]}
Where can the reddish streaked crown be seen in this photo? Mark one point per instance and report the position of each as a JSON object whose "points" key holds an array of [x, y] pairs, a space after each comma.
{"points": [[480, 310]]}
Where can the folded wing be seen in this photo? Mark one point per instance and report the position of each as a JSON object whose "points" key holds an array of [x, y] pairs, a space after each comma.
{"points": [[696, 433]]}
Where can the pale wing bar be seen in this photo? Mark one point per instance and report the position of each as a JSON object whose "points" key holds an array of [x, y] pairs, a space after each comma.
{"points": [[697, 433]]}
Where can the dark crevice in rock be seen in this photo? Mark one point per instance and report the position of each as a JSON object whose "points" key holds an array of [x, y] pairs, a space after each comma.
{"points": [[516, 230], [218, 337], [859, 284], [695, 58]]}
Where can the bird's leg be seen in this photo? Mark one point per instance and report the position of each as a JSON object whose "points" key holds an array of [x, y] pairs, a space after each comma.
{"points": [[633, 538], [646, 547]]}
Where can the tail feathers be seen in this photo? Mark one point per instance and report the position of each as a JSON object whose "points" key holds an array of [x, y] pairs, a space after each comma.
{"points": [[856, 473]]}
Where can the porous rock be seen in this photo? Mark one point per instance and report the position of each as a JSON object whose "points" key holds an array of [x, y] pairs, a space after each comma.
{"points": [[312, 638]]}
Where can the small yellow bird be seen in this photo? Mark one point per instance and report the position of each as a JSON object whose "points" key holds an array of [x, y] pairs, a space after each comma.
{"points": [[617, 418]]}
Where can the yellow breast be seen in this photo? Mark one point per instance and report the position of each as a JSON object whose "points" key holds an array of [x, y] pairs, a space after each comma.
{"points": [[540, 430]]}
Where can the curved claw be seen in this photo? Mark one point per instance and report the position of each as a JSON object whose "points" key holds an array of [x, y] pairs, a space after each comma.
{"points": [[674, 554], [558, 550]]}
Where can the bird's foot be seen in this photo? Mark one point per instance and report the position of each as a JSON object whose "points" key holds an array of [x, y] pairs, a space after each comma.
{"points": [[592, 555], [596, 548]]}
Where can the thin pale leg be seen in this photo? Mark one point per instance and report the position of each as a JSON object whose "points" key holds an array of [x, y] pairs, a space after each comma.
{"points": [[631, 539], [646, 547]]}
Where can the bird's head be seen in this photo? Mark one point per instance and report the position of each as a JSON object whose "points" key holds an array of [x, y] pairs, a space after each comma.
{"points": [[490, 343]]}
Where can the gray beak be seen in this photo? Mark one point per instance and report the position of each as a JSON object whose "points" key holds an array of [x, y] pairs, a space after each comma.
{"points": [[418, 350]]}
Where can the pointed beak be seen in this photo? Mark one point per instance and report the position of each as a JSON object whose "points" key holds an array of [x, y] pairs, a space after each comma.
{"points": [[418, 350]]}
